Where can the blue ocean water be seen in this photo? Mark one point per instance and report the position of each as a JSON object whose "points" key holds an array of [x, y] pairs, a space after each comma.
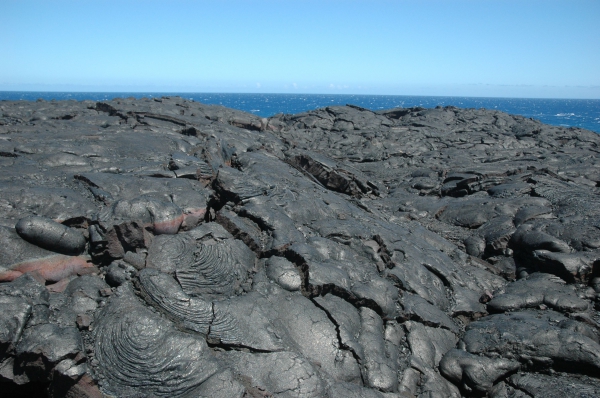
{"points": [[583, 113]]}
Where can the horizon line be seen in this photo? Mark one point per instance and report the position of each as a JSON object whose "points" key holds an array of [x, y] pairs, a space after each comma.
{"points": [[286, 93]]}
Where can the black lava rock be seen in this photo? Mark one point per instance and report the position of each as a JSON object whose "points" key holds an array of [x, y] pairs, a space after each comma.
{"points": [[167, 248]]}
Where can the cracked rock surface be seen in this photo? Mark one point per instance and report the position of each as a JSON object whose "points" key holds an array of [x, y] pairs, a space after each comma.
{"points": [[166, 248]]}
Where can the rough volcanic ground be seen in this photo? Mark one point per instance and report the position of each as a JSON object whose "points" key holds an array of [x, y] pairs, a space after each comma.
{"points": [[165, 248]]}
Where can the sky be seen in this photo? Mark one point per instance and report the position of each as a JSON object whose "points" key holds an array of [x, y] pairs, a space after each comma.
{"points": [[484, 48]]}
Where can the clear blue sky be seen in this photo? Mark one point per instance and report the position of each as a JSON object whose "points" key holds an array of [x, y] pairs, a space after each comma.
{"points": [[511, 48]]}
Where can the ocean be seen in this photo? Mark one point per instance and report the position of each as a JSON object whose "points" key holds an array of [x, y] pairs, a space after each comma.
{"points": [[584, 113]]}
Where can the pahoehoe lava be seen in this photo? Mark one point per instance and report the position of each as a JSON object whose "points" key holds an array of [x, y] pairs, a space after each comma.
{"points": [[166, 248]]}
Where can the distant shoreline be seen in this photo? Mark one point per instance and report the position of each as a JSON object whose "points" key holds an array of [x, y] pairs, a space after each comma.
{"points": [[583, 113]]}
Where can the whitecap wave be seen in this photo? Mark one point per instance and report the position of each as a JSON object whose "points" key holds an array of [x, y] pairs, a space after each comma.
{"points": [[564, 114]]}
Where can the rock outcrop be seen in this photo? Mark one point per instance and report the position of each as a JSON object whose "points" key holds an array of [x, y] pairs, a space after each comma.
{"points": [[162, 247]]}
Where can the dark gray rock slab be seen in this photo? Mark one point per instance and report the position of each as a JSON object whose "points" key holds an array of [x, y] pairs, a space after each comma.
{"points": [[162, 217], [222, 385], [528, 239], [535, 290], [553, 386], [15, 314], [119, 272], [425, 381], [348, 390], [473, 373], [429, 344], [296, 376], [418, 309], [572, 267], [284, 273], [347, 319], [87, 285], [244, 229], [311, 330], [43, 346], [59, 204], [246, 322], [379, 372], [536, 339]]}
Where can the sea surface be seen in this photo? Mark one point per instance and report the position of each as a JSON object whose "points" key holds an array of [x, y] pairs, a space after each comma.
{"points": [[584, 113]]}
